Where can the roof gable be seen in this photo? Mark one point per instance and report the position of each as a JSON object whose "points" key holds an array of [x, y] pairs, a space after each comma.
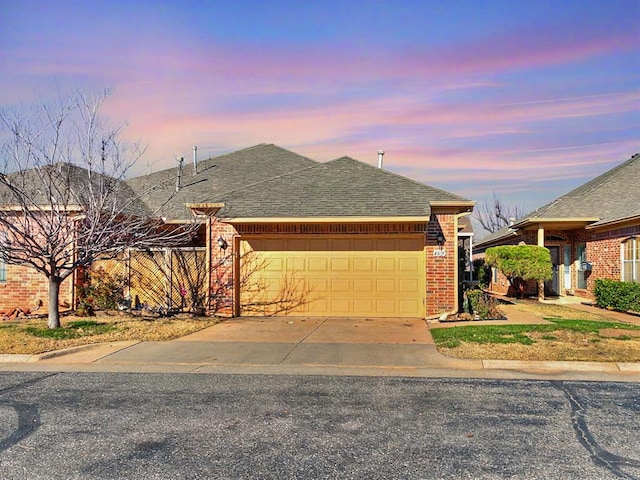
{"points": [[610, 196], [340, 188], [214, 177]]}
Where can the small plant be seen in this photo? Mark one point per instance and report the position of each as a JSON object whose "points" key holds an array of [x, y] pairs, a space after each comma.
{"points": [[483, 305], [100, 290]]}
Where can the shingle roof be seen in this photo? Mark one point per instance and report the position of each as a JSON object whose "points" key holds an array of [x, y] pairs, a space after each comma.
{"points": [[67, 185], [611, 196], [267, 181], [341, 188], [495, 237], [214, 177]]}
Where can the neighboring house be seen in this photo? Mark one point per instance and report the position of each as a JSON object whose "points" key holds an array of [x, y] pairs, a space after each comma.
{"points": [[592, 232], [283, 234]]}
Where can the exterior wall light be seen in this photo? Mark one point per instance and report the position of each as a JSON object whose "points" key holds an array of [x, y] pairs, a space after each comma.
{"points": [[222, 243], [440, 239]]}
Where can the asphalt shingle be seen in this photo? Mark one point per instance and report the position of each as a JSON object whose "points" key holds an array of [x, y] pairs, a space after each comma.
{"points": [[267, 181], [611, 196]]}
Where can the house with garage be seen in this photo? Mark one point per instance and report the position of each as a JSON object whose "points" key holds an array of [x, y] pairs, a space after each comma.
{"points": [[283, 234], [592, 232]]}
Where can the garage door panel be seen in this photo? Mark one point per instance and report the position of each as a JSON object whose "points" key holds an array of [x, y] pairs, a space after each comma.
{"points": [[363, 306], [296, 264], [340, 265], [363, 265], [350, 275], [385, 265], [387, 307], [363, 285], [341, 285], [408, 307], [318, 285], [340, 306], [408, 286], [385, 285], [408, 264], [318, 264]]}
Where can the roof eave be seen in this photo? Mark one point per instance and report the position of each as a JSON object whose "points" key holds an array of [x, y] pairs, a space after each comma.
{"points": [[248, 220], [616, 221], [573, 222]]}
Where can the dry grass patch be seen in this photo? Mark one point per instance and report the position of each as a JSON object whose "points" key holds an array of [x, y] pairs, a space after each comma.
{"points": [[33, 336], [546, 310], [561, 339], [604, 350]]}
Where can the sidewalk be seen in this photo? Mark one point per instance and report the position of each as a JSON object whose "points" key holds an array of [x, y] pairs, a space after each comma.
{"points": [[313, 346]]}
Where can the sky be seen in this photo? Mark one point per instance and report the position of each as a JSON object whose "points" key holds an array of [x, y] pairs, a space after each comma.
{"points": [[527, 99]]}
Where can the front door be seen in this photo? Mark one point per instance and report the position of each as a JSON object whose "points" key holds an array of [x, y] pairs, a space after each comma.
{"points": [[552, 285]]}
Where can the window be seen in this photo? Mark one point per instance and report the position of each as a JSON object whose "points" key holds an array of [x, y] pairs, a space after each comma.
{"points": [[631, 260], [582, 266]]}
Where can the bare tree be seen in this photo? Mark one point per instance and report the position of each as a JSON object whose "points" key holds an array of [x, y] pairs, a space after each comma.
{"points": [[494, 214], [63, 199]]}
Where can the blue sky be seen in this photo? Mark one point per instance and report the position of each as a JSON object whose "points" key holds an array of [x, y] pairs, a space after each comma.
{"points": [[527, 98]]}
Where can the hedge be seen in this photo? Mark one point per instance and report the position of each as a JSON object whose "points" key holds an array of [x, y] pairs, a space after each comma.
{"points": [[623, 296]]}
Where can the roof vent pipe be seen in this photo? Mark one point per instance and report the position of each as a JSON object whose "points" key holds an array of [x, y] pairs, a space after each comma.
{"points": [[179, 161], [195, 160], [380, 155]]}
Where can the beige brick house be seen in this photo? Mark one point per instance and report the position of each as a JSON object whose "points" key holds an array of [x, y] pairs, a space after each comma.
{"points": [[592, 232], [282, 234]]}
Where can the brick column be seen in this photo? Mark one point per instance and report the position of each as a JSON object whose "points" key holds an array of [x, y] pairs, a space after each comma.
{"points": [[441, 264]]}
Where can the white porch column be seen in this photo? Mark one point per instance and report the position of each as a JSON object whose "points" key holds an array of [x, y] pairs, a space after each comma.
{"points": [[540, 244]]}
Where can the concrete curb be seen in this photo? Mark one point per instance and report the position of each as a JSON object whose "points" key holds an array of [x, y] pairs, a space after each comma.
{"points": [[560, 365], [25, 358]]}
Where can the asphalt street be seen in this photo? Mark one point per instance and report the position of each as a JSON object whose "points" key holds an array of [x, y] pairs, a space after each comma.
{"points": [[206, 426]]}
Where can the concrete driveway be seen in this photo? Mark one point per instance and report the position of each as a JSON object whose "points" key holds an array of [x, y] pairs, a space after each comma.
{"points": [[299, 341], [394, 331]]}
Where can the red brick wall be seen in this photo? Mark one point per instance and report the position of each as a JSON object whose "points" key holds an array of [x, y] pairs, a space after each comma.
{"points": [[441, 281], [221, 268], [603, 252], [441, 286], [25, 287]]}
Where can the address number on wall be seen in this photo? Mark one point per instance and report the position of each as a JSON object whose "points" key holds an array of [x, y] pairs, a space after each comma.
{"points": [[439, 253]]}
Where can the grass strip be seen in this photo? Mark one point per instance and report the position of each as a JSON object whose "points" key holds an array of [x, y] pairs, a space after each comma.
{"points": [[77, 329], [502, 334]]}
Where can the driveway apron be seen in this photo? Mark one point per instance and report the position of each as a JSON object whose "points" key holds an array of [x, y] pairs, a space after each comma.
{"points": [[331, 341]]}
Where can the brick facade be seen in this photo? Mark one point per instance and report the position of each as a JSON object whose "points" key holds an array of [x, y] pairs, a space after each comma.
{"points": [[603, 253], [440, 271], [26, 288]]}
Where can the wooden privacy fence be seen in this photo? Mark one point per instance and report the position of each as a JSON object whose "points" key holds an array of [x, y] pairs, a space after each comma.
{"points": [[170, 278]]}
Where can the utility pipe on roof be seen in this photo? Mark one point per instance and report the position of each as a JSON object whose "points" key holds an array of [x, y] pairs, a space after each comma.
{"points": [[179, 161], [195, 160], [380, 155]]}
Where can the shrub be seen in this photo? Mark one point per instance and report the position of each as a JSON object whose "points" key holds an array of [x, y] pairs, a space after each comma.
{"points": [[483, 305], [623, 296], [520, 263], [483, 273], [101, 290]]}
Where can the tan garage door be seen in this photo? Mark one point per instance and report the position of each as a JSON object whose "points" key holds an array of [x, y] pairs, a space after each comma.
{"points": [[356, 275]]}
